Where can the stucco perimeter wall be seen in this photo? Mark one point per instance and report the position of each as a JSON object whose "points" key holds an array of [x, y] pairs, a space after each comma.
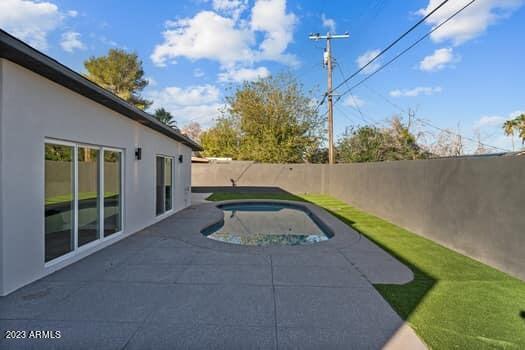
{"points": [[298, 178], [473, 205]]}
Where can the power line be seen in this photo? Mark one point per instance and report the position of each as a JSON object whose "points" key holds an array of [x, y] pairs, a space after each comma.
{"points": [[429, 124], [381, 53], [355, 105], [393, 43], [344, 82], [405, 50]]}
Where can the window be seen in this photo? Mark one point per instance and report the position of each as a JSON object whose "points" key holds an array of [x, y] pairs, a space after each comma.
{"points": [[75, 178], [164, 184]]}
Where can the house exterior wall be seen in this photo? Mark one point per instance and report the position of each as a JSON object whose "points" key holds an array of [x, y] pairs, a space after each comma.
{"points": [[33, 109], [2, 263]]}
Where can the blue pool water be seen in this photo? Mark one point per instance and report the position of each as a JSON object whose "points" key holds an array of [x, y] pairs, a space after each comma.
{"points": [[261, 224]]}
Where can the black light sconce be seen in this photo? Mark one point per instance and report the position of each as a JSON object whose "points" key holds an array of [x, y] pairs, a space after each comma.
{"points": [[181, 158], [138, 153]]}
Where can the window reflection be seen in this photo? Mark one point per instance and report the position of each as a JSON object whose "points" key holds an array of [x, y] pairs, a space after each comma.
{"points": [[164, 188], [59, 201], [112, 192], [168, 183], [88, 195]]}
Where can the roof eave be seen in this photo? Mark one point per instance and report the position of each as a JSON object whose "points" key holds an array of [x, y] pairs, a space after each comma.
{"points": [[22, 54]]}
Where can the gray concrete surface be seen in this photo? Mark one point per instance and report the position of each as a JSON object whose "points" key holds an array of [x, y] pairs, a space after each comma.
{"points": [[472, 205], [198, 198], [169, 287]]}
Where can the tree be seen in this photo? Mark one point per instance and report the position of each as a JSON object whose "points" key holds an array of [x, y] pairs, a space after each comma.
{"points": [[222, 140], [193, 130], [516, 125], [372, 144], [165, 117], [269, 120], [363, 144], [447, 144], [121, 73], [521, 127], [317, 155]]}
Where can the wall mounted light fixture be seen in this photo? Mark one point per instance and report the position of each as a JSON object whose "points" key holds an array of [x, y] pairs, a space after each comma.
{"points": [[138, 153], [181, 158]]}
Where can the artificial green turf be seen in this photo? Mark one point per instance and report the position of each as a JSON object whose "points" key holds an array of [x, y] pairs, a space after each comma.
{"points": [[454, 302]]}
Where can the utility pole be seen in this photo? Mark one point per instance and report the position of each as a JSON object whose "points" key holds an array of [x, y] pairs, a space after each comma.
{"points": [[327, 61]]}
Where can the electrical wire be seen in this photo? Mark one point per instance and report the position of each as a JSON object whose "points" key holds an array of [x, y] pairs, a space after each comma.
{"points": [[425, 122], [429, 124], [405, 50], [393, 43], [382, 52], [355, 104]]}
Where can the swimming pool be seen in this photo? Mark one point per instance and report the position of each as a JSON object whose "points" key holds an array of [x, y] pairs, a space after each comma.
{"points": [[262, 224]]}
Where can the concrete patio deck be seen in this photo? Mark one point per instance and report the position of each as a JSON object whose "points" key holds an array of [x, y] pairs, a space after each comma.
{"points": [[169, 287]]}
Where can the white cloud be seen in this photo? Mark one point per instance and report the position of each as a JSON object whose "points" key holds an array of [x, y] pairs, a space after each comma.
{"points": [[30, 21], [72, 13], [198, 73], [470, 23], [367, 57], [70, 41], [193, 95], [205, 115], [243, 74], [490, 127], [195, 103], [489, 121], [151, 81], [328, 23], [438, 60], [233, 8], [516, 114], [495, 120], [420, 90], [227, 39], [104, 40], [354, 101], [205, 36], [270, 17]]}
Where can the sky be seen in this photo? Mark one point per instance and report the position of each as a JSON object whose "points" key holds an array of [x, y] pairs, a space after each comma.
{"points": [[467, 76]]}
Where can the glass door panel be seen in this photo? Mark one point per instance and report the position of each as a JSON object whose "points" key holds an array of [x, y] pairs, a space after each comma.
{"points": [[88, 195], [159, 188], [168, 183], [59, 200], [112, 192]]}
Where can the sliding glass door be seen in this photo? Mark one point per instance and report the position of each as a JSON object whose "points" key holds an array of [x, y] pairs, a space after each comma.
{"points": [[59, 200], [88, 195], [164, 184], [75, 178], [112, 192]]}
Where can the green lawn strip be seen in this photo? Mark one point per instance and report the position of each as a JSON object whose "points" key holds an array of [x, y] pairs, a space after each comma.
{"points": [[453, 302]]}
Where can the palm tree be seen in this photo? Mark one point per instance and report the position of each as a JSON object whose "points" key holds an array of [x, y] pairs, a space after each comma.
{"points": [[165, 117], [520, 121], [509, 127]]}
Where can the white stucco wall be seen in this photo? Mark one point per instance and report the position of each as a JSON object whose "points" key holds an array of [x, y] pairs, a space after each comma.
{"points": [[34, 108], [2, 263]]}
